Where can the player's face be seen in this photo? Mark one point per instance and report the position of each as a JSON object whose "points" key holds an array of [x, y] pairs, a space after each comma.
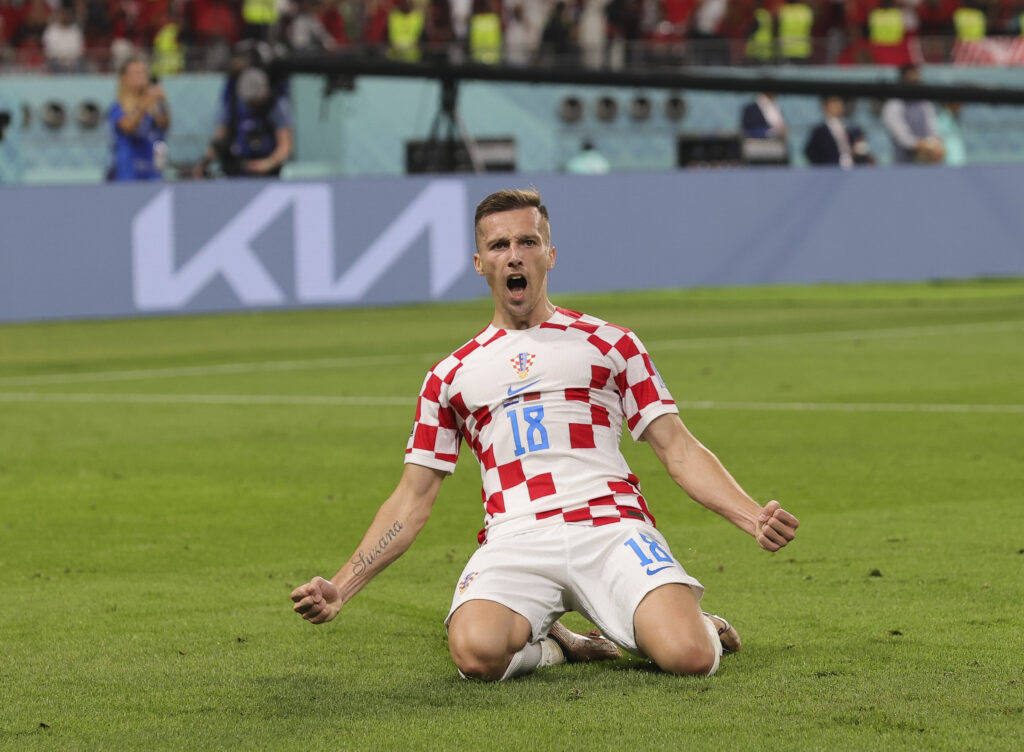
{"points": [[514, 254]]}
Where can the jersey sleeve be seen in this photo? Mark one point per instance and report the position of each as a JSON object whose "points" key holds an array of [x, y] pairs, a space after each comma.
{"points": [[642, 391], [435, 437]]}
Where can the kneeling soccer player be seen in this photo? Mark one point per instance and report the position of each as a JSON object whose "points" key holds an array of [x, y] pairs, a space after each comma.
{"points": [[541, 396]]}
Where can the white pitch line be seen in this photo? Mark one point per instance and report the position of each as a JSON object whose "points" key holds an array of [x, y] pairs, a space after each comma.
{"points": [[851, 407], [408, 402], [376, 360]]}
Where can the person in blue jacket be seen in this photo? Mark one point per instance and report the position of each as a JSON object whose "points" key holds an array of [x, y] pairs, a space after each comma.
{"points": [[139, 121]]}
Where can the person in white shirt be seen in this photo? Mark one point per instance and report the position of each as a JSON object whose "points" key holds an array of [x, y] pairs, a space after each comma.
{"points": [[63, 42], [540, 396], [913, 125]]}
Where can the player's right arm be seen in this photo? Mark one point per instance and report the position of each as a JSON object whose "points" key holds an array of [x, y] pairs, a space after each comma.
{"points": [[394, 528]]}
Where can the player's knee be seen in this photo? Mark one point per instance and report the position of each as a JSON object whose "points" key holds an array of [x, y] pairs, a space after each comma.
{"points": [[478, 667], [687, 658], [477, 656]]}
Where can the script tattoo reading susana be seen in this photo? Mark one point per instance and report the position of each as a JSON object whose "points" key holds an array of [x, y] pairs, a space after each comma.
{"points": [[362, 561]]}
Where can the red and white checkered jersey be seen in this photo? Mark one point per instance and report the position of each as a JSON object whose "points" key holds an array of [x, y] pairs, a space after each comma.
{"points": [[542, 409]]}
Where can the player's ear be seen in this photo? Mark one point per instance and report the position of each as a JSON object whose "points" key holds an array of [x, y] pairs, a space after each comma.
{"points": [[476, 264], [551, 257]]}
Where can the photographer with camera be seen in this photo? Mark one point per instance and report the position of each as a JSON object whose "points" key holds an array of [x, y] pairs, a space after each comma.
{"points": [[139, 120], [253, 137]]}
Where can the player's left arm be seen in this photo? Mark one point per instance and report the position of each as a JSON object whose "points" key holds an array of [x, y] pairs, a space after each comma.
{"points": [[700, 473]]}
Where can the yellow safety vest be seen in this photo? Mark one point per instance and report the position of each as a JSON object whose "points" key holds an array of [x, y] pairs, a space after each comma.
{"points": [[761, 45], [886, 26], [404, 32], [168, 57], [485, 38], [969, 24], [795, 22], [259, 12]]}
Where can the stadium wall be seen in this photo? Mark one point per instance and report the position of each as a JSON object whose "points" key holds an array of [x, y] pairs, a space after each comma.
{"points": [[133, 249], [364, 131]]}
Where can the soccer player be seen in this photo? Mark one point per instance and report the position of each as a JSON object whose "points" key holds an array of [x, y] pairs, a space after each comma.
{"points": [[540, 396]]}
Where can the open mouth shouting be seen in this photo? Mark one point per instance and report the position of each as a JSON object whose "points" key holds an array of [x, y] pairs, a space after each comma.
{"points": [[516, 284]]}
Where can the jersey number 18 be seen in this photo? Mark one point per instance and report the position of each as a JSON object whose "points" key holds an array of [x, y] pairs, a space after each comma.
{"points": [[536, 434]]}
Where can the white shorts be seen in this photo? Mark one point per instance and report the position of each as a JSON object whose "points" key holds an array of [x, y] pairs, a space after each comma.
{"points": [[601, 572]]}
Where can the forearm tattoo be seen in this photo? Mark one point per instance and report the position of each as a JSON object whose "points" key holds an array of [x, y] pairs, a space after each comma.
{"points": [[363, 560]]}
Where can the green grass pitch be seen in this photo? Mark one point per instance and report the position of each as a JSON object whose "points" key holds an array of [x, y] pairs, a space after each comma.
{"points": [[165, 482]]}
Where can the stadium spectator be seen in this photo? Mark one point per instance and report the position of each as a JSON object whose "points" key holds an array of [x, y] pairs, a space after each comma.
{"points": [[127, 30], [10, 21], [485, 32], [832, 142], [520, 35], [588, 161], [374, 25], [592, 33], [625, 34], [795, 29], [168, 51], [763, 118], [260, 20], [912, 125], [35, 17], [707, 43], [566, 526], [765, 132], [889, 34], [139, 120], [831, 26], [97, 25], [558, 41], [970, 22], [64, 42], [405, 32], [253, 137], [216, 28], [936, 17], [339, 20], [461, 11], [678, 12], [306, 31], [760, 46], [439, 33]]}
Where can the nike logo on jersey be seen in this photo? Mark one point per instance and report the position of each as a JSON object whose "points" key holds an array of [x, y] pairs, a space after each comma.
{"points": [[513, 392], [659, 569]]}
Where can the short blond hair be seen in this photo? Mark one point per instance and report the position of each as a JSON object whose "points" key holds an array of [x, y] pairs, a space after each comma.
{"points": [[510, 200]]}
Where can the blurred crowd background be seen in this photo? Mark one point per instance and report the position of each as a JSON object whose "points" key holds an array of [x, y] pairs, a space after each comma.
{"points": [[196, 35]]}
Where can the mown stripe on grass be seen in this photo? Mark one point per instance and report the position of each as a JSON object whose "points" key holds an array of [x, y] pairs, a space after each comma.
{"points": [[339, 400], [207, 399], [837, 335], [209, 370], [138, 374], [852, 407]]}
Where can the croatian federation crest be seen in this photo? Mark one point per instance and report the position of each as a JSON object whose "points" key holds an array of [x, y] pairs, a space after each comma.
{"points": [[467, 581], [522, 363]]}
